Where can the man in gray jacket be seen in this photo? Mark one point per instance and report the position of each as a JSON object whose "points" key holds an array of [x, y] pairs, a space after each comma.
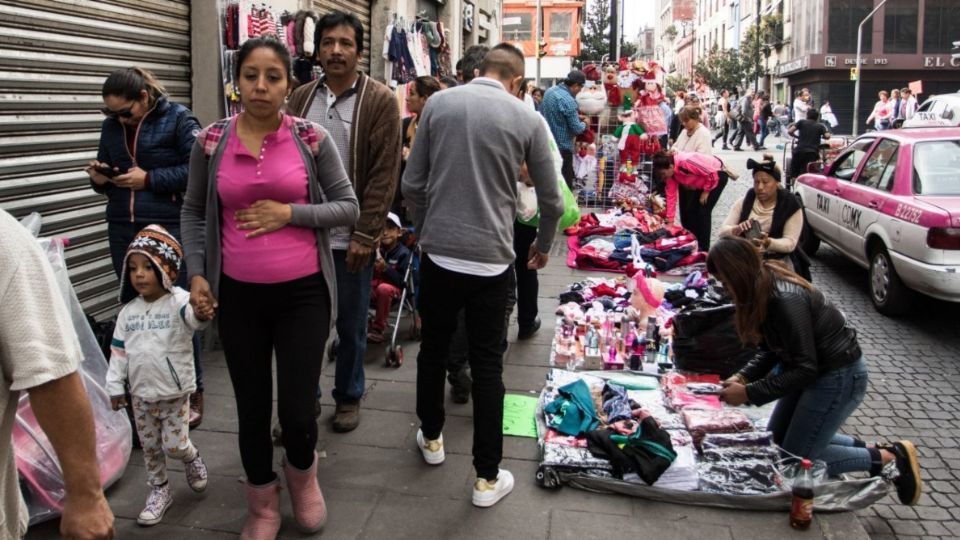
{"points": [[463, 197], [746, 123]]}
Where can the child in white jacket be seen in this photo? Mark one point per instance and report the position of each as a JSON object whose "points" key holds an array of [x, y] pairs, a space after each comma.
{"points": [[152, 350]]}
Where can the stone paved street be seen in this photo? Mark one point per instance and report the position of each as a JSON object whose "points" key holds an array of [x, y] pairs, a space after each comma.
{"points": [[377, 486]]}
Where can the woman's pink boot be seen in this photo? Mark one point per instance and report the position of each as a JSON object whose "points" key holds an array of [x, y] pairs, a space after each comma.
{"points": [[309, 508], [263, 512]]}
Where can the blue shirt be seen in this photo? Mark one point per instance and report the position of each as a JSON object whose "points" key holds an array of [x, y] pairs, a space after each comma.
{"points": [[560, 109]]}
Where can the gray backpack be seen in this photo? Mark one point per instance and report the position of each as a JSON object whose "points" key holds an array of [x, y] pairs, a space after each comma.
{"points": [[735, 113]]}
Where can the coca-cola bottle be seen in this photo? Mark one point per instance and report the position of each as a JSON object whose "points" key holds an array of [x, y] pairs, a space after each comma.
{"points": [[801, 511]]}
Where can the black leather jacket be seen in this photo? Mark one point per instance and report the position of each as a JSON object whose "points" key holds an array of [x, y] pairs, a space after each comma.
{"points": [[803, 332]]}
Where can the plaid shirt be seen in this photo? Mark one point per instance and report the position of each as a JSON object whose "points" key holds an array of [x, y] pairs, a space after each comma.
{"points": [[560, 109]]}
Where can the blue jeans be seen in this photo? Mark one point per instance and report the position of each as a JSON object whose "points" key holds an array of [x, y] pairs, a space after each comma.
{"points": [[119, 236], [353, 302], [763, 130], [805, 423]]}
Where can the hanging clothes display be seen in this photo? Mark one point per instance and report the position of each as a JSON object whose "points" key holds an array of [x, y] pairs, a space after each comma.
{"points": [[416, 50], [241, 21]]}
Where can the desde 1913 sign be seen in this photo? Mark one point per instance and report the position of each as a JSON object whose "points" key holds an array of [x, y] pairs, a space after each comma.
{"points": [[891, 62]]}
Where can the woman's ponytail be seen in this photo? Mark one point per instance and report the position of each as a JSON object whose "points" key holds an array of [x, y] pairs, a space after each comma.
{"points": [[130, 82], [151, 84]]}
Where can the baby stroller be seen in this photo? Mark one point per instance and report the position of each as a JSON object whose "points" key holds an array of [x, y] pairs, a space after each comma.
{"points": [[408, 301]]}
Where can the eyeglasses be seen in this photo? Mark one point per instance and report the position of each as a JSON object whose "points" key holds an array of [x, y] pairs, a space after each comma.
{"points": [[125, 112]]}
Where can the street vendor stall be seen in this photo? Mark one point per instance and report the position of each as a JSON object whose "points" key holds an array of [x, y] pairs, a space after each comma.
{"points": [[645, 419]]}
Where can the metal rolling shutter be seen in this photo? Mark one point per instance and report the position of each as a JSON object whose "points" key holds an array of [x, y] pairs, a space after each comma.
{"points": [[360, 8], [54, 57]]}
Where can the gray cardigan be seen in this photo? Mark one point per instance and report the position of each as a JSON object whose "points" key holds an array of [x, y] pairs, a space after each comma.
{"points": [[461, 177], [332, 203]]}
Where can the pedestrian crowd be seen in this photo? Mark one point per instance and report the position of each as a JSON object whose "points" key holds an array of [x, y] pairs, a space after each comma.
{"points": [[283, 224], [280, 225]]}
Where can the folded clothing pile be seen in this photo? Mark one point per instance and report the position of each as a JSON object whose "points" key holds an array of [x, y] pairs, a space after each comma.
{"points": [[683, 472], [697, 291], [701, 422], [611, 293], [740, 464], [679, 395], [605, 242]]}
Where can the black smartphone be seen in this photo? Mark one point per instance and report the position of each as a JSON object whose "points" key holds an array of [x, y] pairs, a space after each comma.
{"points": [[107, 171], [754, 231]]}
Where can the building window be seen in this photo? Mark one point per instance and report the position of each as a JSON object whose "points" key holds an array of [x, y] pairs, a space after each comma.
{"points": [[941, 26], [900, 27], [844, 18], [518, 26], [561, 26]]}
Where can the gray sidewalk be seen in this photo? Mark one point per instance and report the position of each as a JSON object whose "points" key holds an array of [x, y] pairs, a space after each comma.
{"points": [[377, 486]]}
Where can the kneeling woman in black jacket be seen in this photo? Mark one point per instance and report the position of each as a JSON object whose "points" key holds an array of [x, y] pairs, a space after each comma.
{"points": [[822, 376]]}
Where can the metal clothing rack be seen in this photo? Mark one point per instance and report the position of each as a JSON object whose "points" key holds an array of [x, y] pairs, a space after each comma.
{"points": [[602, 191]]}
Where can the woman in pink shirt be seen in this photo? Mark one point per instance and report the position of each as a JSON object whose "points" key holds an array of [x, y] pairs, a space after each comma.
{"points": [[698, 179], [264, 189], [882, 112]]}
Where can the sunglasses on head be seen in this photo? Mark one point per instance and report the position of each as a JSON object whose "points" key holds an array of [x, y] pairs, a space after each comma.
{"points": [[125, 112]]}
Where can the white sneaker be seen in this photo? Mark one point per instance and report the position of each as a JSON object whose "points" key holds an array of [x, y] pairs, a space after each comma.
{"points": [[432, 450], [486, 494], [157, 504]]}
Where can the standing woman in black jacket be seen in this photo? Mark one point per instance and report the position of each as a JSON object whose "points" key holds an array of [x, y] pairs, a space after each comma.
{"points": [[822, 377], [145, 143]]}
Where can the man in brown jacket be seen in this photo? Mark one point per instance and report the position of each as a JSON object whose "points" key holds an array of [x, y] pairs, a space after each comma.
{"points": [[363, 119]]}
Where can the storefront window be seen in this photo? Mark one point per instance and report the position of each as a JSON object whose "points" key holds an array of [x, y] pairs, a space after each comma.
{"points": [[844, 19], [561, 26], [900, 27], [941, 26], [518, 26]]}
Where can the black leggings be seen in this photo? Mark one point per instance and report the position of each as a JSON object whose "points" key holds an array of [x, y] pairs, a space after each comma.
{"points": [[256, 320], [698, 218]]}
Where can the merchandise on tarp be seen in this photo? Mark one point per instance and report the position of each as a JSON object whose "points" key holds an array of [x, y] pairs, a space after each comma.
{"points": [[737, 465], [41, 478], [626, 239]]}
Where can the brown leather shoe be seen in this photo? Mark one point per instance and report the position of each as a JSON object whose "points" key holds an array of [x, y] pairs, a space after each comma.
{"points": [[347, 417], [196, 409]]}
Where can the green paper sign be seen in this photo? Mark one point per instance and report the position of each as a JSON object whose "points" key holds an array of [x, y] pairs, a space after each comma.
{"points": [[519, 415]]}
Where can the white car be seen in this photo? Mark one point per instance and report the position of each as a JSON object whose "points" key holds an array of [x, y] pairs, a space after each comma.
{"points": [[937, 111]]}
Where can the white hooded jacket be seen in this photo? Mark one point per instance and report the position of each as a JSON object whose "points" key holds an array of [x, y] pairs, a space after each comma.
{"points": [[153, 348]]}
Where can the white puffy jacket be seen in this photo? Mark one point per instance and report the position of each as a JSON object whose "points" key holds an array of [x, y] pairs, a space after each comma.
{"points": [[152, 348]]}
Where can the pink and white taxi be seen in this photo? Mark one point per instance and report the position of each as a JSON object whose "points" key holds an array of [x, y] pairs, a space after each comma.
{"points": [[891, 203]]}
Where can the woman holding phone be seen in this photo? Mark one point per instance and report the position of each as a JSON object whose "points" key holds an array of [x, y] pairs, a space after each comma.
{"points": [[141, 166], [769, 216]]}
